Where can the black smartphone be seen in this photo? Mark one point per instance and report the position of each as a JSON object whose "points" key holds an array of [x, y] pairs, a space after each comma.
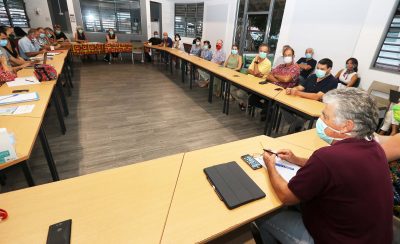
{"points": [[18, 91], [278, 89], [251, 161], [60, 233], [263, 82]]}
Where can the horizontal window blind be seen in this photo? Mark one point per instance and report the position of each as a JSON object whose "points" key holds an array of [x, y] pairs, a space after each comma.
{"points": [[189, 19], [13, 13]]}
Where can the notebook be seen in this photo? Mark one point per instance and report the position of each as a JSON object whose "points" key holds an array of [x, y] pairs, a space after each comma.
{"points": [[232, 185], [19, 98]]}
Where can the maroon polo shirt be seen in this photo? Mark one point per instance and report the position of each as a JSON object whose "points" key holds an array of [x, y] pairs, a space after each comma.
{"points": [[346, 193]]}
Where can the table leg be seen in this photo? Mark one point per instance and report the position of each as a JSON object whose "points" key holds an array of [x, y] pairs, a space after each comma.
{"points": [[210, 88], [183, 64], [67, 84], [311, 123], [62, 97], [27, 173], [191, 74], [69, 77], [59, 113], [170, 64], [47, 153], [228, 94], [270, 117]]}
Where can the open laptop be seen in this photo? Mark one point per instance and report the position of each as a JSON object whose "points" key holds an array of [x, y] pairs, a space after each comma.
{"points": [[232, 185]]}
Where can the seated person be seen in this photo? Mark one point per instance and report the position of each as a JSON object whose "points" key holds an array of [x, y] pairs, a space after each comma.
{"points": [[279, 60], [206, 52], [177, 43], [287, 74], [196, 48], [111, 37], [6, 73], [316, 85], [307, 64], [19, 32], [260, 66], [154, 40], [80, 36], [390, 122], [12, 58], [218, 58], [52, 38], [347, 77], [166, 42], [333, 196], [43, 39], [59, 35], [29, 46]]}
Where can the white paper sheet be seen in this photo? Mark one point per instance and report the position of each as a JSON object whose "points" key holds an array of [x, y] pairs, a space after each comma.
{"points": [[19, 98], [285, 169], [23, 81]]}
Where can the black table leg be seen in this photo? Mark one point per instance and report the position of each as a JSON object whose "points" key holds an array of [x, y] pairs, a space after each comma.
{"points": [[270, 117], [47, 153], [170, 64], [191, 74], [59, 113], [27, 172], [62, 97], [311, 123], [67, 84], [183, 64], [227, 94], [69, 76], [210, 88]]}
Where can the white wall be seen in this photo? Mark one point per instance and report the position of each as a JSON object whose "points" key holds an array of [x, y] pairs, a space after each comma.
{"points": [[167, 15], [42, 19], [338, 30]]}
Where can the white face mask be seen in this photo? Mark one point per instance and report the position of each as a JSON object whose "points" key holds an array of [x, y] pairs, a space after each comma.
{"points": [[177, 39], [287, 60]]}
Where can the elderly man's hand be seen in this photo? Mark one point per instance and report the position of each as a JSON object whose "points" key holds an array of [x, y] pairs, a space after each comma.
{"points": [[287, 155], [269, 160]]}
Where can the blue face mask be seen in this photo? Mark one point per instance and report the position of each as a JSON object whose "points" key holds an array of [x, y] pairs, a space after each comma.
{"points": [[262, 55], [234, 52], [205, 46], [3, 43], [321, 126], [320, 73], [308, 55], [42, 35], [111, 32]]}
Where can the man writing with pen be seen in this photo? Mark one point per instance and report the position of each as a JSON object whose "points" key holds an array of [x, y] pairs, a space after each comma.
{"points": [[344, 190]]}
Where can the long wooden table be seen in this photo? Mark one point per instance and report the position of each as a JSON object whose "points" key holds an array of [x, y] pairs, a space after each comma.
{"points": [[197, 214], [123, 205], [26, 127], [306, 108]]}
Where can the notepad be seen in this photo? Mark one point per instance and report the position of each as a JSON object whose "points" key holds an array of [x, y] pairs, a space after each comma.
{"points": [[23, 81], [53, 53], [19, 98], [285, 169]]}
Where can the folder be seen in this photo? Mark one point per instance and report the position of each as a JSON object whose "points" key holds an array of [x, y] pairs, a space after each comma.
{"points": [[19, 98]]}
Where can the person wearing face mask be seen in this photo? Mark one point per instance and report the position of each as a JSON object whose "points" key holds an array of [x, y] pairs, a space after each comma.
{"points": [[111, 37], [218, 58], [347, 77], [279, 59], [177, 43], [196, 48], [43, 39], [316, 85], [287, 74], [15, 62], [166, 42], [206, 52], [338, 184], [29, 46], [80, 35], [260, 66], [11, 46], [390, 123], [307, 64], [154, 40], [59, 35]]}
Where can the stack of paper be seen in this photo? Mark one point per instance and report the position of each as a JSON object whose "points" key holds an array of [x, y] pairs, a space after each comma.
{"points": [[23, 109], [23, 81], [285, 169], [19, 98]]}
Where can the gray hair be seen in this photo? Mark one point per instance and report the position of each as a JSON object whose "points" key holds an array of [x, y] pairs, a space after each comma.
{"points": [[356, 105]]}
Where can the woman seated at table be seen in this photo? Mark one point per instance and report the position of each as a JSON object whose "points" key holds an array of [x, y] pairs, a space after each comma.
{"points": [[11, 53], [59, 35], [196, 48], [6, 72], [80, 36], [348, 77], [111, 37], [177, 42], [206, 52]]}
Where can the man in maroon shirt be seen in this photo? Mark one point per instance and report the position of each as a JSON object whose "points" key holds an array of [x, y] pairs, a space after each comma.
{"points": [[344, 190]]}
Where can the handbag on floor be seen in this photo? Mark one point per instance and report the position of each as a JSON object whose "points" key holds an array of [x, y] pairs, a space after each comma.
{"points": [[45, 72]]}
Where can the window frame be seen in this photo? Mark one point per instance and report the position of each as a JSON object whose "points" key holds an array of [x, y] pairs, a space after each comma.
{"points": [[197, 29], [385, 34], [10, 20]]}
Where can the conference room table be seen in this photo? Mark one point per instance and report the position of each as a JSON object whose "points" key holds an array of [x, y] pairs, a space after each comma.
{"points": [[26, 127], [274, 95], [307, 139], [165, 200]]}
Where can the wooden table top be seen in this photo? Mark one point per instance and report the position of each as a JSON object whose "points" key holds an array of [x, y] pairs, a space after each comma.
{"points": [[122, 205], [197, 214], [310, 107], [25, 131], [306, 139]]}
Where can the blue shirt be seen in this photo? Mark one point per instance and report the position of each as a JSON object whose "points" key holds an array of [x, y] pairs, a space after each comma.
{"points": [[219, 56], [27, 45], [195, 50], [206, 54], [168, 42]]}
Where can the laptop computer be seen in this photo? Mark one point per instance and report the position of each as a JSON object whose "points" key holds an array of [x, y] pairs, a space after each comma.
{"points": [[232, 185]]}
